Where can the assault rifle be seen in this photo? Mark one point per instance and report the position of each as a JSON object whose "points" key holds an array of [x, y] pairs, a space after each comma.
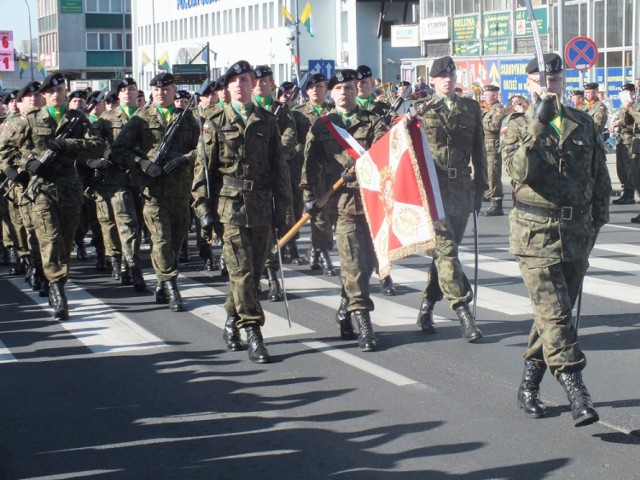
{"points": [[32, 189]]}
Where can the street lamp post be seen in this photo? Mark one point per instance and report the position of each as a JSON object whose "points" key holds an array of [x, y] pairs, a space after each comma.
{"points": [[30, 40]]}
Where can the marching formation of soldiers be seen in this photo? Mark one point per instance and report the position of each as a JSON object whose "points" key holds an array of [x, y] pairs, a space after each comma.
{"points": [[246, 164]]}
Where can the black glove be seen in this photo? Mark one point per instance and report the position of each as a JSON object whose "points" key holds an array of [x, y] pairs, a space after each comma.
{"points": [[98, 163], [478, 196], [175, 164], [206, 224], [150, 168], [34, 166], [546, 109], [347, 176], [20, 177], [311, 207], [56, 144]]}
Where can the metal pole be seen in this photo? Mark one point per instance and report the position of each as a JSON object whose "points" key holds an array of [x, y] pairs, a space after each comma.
{"points": [[561, 27], [30, 40], [297, 59], [153, 36], [208, 62]]}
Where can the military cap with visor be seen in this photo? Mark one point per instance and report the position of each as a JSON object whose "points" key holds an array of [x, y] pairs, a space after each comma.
{"points": [[342, 76], [579, 93], [163, 79], [31, 87], [442, 66], [236, 69], [552, 64], [491, 88], [52, 80], [315, 79], [630, 87], [591, 86]]}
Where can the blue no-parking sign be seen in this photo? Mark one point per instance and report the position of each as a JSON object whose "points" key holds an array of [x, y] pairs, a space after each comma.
{"points": [[581, 53]]}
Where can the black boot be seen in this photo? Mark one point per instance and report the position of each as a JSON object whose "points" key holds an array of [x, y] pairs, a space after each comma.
{"points": [[314, 259], [205, 254], [366, 339], [125, 273], [627, 198], [136, 275], [161, 294], [215, 259], [223, 268], [173, 295], [296, 259], [470, 332], [425, 317], [36, 276], [582, 409], [258, 353], [81, 251], [184, 253], [58, 300], [494, 210], [529, 390], [116, 266], [327, 265], [4, 255], [14, 261], [231, 334], [387, 287], [275, 291], [28, 268], [44, 288], [101, 259], [343, 319]]}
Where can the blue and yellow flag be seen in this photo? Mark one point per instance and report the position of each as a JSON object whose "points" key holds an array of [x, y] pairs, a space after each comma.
{"points": [[23, 67], [307, 20]]}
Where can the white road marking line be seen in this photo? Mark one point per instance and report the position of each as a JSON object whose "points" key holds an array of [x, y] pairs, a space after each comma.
{"points": [[5, 354]]}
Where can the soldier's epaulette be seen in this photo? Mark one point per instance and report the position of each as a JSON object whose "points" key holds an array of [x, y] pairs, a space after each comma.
{"points": [[508, 117]]}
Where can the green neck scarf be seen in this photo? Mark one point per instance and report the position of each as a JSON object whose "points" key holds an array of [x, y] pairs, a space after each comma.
{"points": [[346, 116], [128, 111], [57, 113], [365, 102], [264, 102], [242, 110], [320, 109], [166, 112]]}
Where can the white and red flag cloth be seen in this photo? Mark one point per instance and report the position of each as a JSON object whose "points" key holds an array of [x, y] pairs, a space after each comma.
{"points": [[399, 189]]}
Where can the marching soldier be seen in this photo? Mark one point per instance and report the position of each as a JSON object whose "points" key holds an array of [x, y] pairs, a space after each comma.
{"points": [[594, 106], [577, 97], [58, 196], [453, 127], [263, 96], [625, 161], [325, 161], [251, 194], [321, 231], [556, 160], [165, 185], [117, 191], [492, 115]]}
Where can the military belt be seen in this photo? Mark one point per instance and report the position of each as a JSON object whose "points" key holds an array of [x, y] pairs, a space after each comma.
{"points": [[454, 172], [564, 214], [244, 185]]}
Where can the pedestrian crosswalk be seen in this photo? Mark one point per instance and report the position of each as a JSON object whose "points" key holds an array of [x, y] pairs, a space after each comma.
{"points": [[103, 329]]}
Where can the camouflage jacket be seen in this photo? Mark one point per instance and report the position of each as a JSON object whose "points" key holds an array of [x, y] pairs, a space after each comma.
{"points": [[306, 116], [454, 149], [382, 109], [537, 178], [491, 123], [598, 111], [255, 158], [139, 139], [325, 159], [287, 127]]}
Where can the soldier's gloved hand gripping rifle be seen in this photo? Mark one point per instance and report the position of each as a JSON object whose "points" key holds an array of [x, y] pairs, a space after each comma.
{"points": [[31, 191]]}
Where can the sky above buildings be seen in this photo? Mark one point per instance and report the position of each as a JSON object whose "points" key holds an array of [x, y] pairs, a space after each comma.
{"points": [[16, 18]]}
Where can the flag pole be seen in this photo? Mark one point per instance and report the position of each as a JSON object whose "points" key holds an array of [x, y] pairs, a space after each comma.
{"points": [[297, 58]]}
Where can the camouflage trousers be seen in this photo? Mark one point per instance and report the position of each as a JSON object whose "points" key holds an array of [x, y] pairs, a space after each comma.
{"points": [[27, 221], [357, 260], [167, 220], [553, 291], [494, 176], [625, 166], [117, 205], [244, 251], [17, 231], [446, 277], [107, 221]]}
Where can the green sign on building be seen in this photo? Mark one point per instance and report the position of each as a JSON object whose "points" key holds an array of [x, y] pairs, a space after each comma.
{"points": [[496, 25], [465, 28], [70, 6], [523, 23]]}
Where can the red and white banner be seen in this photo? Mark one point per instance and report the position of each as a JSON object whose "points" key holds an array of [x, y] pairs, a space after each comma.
{"points": [[399, 188]]}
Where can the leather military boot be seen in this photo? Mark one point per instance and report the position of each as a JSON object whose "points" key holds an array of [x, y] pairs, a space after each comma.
{"points": [[627, 197], [81, 251], [343, 319], [184, 253], [387, 287], [425, 317], [582, 409], [173, 295], [58, 300], [366, 339], [258, 352], [116, 266], [137, 277], [101, 259], [470, 332], [327, 265], [314, 259], [494, 210], [275, 291], [14, 261], [529, 390], [215, 259], [125, 273], [231, 334], [44, 288], [224, 272], [36, 276], [161, 294], [28, 268], [296, 259], [205, 254]]}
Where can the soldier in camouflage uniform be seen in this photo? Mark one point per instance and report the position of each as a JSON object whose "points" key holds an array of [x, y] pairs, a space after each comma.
{"points": [[117, 192], [321, 231], [556, 160], [594, 106], [453, 126], [166, 185], [326, 161], [625, 159], [251, 195], [58, 198], [492, 115], [263, 96]]}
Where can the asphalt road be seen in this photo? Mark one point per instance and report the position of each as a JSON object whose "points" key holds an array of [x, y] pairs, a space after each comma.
{"points": [[128, 390]]}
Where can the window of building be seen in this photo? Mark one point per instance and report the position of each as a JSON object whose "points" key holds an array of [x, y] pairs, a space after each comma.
{"points": [[265, 15], [107, 6], [256, 17], [466, 6], [271, 14], [225, 22], [434, 8], [491, 5], [105, 41]]}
